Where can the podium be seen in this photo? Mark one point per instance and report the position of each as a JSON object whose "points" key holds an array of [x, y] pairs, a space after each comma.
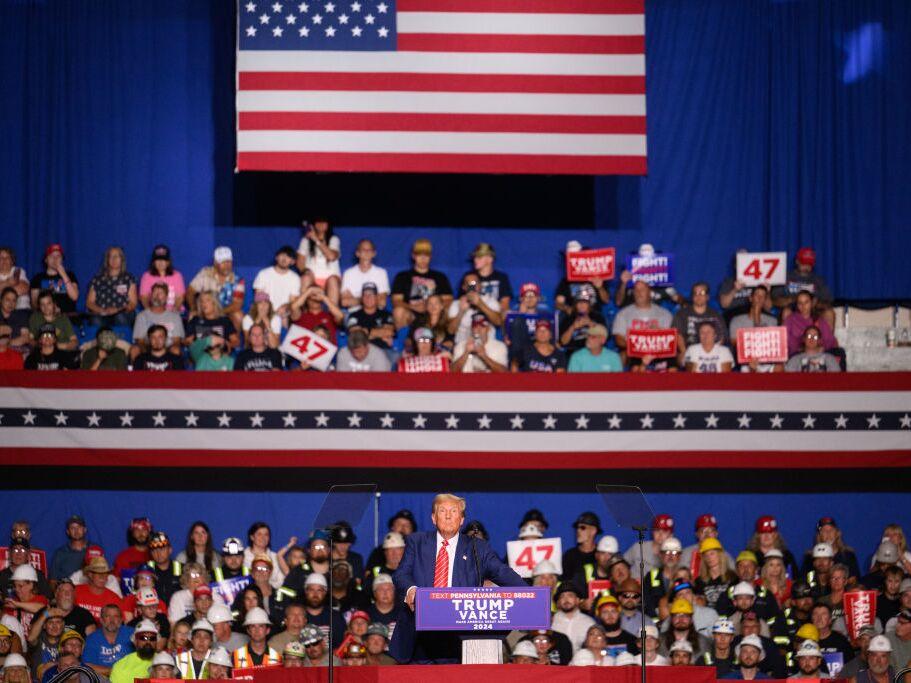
{"points": [[482, 617]]}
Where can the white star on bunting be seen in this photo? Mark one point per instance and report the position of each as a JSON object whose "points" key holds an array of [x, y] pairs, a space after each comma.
{"points": [[61, 418], [841, 422], [387, 421], [264, 19], [277, 31], [159, 419], [419, 421], [251, 31], [679, 421], [484, 422], [809, 422], [905, 421], [582, 422], [356, 31], [776, 421], [250, 7], [711, 422], [646, 421], [743, 422], [614, 421], [290, 420], [322, 420], [873, 422], [354, 420], [126, 420], [256, 420], [29, 418], [192, 419], [550, 422], [452, 422], [94, 419], [517, 422]]}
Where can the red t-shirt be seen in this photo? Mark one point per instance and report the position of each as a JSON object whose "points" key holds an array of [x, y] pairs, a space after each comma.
{"points": [[130, 559], [86, 599], [312, 320], [25, 618], [11, 360]]}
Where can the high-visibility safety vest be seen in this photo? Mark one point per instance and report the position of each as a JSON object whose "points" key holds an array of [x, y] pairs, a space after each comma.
{"points": [[243, 659], [187, 670], [176, 567], [219, 572]]}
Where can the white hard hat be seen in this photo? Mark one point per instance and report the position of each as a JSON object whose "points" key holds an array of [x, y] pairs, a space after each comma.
{"points": [[219, 613], [316, 579], [879, 644], [773, 552], [583, 657], [671, 544], [202, 625], [525, 648], [382, 579], [682, 646], [607, 544], [163, 659], [25, 572], [724, 625], [544, 567], [257, 615], [14, 660], [393, 540], [808, 648], [530, 531], [146, 626], [753, 641], [744, 588], [147, 597], [223, 254], [221, 657], [651, 631], [823, 550]]}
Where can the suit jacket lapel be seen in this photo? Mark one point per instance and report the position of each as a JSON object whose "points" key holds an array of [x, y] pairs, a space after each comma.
{"points": [[460, 570]]}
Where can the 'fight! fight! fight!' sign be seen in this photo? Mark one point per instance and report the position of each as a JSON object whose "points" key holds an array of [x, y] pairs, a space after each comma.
{"points": [[762, 344], [482, 609]]}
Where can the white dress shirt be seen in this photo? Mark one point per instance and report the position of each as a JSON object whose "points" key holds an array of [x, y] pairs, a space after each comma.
{"points": [[574, 626]]}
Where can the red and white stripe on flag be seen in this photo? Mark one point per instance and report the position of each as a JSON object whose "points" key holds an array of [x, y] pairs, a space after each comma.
{"points": [[478, 86]]}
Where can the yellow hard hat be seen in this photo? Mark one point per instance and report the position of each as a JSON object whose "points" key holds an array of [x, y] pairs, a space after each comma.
{"points": [[681, 606], [606, 600], [808, 631], [709, 544]]}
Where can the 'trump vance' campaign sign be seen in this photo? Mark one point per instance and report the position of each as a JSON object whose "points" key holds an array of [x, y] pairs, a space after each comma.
{"points": [[589, 264], [657, 343], [482, 609]]}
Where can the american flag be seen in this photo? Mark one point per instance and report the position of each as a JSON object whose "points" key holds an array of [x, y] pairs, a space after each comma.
{"points": [[459, 86], [471, 422]]}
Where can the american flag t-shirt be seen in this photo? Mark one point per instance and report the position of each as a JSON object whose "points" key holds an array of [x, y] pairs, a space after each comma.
{"points": [[461, 86]]}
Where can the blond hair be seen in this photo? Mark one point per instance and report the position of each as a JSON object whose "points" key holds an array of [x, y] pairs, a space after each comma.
{"points": [[441, 498]]}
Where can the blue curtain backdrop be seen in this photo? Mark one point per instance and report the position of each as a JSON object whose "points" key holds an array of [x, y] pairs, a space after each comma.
{"points": [[772, 124], [860, 516]]}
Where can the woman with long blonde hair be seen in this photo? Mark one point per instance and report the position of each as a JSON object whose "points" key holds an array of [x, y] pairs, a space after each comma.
{"points": [[774, 577], [210, 321]]}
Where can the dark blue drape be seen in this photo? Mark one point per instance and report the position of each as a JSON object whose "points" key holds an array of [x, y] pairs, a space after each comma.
{"points": [[771, 125]]}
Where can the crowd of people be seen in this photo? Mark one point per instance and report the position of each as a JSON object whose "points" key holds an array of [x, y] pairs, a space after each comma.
{"points": [[415, 321], [198, 609]]}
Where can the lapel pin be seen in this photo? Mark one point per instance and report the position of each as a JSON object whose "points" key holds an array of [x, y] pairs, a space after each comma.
{"points": [[465, 557]]}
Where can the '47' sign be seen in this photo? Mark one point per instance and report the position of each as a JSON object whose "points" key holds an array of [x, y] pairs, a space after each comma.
{"points": [[308, 347], [762, 268], [524, 555]]}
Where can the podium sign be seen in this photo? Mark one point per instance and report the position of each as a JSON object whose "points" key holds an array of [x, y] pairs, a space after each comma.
{"points": [[482, 609]]}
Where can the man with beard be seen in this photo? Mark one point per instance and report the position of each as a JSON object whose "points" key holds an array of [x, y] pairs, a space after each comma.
{"points": [[74, 617], [569, 620], [315, 646], [316, 603], [618, 640], [317, 562], [109, 643], [681, 628], [138, 551], [809, 661], [346, 594], [68, 558], [136, 664], [749, 653], [232, 561], [659, 579], [167, 571], [393, 551], [628, 593], [878, 668]]}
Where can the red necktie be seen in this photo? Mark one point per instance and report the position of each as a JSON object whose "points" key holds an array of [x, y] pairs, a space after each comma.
{"points": [[441, 571]]}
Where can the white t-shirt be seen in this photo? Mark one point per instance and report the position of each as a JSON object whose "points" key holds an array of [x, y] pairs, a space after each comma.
{"points": [[281, 287], [275, 324], [496, 350], [354, 278], [463, 332], [708, 361], [317, 264]]}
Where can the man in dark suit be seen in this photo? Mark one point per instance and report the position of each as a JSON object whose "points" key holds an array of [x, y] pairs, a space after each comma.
{"points": [[437, 558]]}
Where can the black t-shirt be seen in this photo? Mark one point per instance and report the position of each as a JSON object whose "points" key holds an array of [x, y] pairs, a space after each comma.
{"points": [[168, 361], [200, 327], [414, 285], [370, 321], [493, 286], [250, 360], [624, 640], [578, 339], [386, 619], [55, 283], [687, 322], [56, 360], [78, 619], [532, 360]]}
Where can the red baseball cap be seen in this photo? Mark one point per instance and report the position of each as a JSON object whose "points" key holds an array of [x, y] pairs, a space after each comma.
{"points": [[51, 248], [806, 256], [202, 590], [359, 614], [665, 522], [91, 552], [766, 524], [529, 287], [543, 322], [141, 523], [706, 520]]}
